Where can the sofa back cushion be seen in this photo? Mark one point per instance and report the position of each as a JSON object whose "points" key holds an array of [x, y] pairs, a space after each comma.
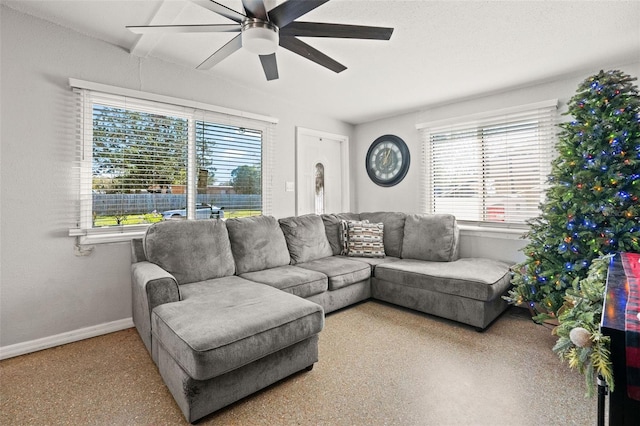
{"points": [[257, 243], [190, 250], [393, 229], [306, 238], [333, 229], [430, 237]]}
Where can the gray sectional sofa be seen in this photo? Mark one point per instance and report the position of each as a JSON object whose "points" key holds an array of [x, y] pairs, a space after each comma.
{"points": [[226, 308]]}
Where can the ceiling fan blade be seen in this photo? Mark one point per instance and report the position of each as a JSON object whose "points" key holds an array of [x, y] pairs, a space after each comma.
{"points": [[167, 29], [270, 66], [291, 10], [255, 9], [221, 10], [303, 49], [226, 50], [317, 29]]}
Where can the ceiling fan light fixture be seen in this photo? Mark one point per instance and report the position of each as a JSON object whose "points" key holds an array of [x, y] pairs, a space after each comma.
{"points": [[260, 37]]}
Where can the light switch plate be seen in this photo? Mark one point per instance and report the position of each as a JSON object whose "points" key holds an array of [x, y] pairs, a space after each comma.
{"points": [[289, 186]]}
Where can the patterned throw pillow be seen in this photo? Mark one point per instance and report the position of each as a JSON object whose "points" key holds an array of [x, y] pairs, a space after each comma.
{"points": [[344, 234], [365, 240]]}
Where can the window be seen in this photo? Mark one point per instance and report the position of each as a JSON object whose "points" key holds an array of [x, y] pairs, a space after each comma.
{"points": [[491, 168], [145, 158]]}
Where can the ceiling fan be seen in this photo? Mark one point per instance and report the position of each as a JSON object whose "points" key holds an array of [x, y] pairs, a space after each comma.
{"points": [[261, 32]]}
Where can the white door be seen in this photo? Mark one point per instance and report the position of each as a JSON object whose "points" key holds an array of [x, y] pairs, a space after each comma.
{"points": [[321, 172]]}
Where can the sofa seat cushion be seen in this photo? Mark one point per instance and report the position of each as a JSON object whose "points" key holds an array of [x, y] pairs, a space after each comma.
{"points": [[215, 289], [474, 278], [342, 272], [292, 279], [375, 261], [213, 336], [257, 243]]}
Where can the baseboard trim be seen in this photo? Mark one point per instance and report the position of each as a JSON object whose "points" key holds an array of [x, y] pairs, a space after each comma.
{"points": [[64, 338]]}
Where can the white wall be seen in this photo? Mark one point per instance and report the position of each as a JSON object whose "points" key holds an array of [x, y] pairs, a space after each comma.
{"points": [[45, 289], [367, 196]]}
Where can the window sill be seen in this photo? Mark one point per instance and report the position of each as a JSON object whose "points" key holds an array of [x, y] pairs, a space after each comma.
{"points": [[108, 235], [488, 231]]}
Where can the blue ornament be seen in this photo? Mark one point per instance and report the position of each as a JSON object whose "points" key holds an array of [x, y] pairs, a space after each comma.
{"points": [[562, 248], [568, 266]]}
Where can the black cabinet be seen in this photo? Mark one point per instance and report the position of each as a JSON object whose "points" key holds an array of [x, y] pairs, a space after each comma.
{"points": [[623, 411]]}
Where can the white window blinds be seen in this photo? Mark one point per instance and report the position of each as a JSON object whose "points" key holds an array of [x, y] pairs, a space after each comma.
{"points": [[492, 168], [142, 160]]}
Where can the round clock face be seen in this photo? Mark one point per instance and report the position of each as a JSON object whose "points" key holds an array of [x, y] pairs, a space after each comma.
{"points": [[387, 160]]}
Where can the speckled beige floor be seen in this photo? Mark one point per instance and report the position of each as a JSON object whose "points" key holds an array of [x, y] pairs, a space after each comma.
{"points": [[379, 365]]}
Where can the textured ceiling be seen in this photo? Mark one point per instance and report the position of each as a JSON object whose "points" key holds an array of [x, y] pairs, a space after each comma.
{"points": [[440, 51]]}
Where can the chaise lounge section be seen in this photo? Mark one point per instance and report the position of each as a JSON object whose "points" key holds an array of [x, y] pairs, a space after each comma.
{"points": [[228, 307]]}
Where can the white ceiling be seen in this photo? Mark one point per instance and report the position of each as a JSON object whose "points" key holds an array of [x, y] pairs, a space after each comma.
{"points": [[440, 51]]}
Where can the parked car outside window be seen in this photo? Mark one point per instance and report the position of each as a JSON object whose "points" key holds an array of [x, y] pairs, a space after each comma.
{"points": [[203, 211]]}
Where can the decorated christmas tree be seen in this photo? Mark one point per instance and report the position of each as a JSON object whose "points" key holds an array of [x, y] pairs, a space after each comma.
{"points": [[592, 205]]}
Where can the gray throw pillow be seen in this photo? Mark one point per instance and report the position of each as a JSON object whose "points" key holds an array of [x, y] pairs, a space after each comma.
{"points": [[257, 243], [306, 238], [430, 237]]}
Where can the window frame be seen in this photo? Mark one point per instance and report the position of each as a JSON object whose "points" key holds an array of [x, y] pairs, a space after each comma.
{"points": [[545, 111], [192, 110]]}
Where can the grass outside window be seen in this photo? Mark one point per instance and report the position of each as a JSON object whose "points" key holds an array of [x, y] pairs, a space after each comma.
{"points": [[141, 219]]}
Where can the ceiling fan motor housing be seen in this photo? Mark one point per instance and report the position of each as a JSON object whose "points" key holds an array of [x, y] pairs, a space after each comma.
{"points": [[260, 37]]}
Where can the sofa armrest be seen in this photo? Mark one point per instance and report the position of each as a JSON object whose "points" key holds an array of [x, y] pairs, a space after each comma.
{"points": [[151, 286]]}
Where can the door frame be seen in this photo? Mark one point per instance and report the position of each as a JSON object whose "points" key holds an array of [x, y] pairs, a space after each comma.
{"points": [[344, 167]]}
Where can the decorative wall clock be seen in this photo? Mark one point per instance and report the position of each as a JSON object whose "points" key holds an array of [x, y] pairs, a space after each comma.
{"points": [[387, 160]]}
